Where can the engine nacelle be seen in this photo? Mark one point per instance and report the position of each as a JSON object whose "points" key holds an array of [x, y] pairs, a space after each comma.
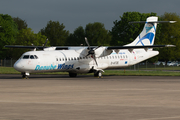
{"points": [[102, 51]]}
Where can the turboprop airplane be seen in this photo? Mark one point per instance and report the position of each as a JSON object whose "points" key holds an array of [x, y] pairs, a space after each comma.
{"points": [[90, 59]]}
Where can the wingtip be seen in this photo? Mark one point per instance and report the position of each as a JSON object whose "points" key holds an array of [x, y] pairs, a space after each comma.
{"points": [[170, 46], [172, 21]]}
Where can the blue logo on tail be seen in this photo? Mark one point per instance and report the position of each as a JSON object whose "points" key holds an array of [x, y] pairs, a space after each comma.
{"points": [[149, 26], [148, 36]]}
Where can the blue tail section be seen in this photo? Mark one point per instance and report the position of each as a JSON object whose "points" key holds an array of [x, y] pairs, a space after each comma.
{"points": [[147, 36]]}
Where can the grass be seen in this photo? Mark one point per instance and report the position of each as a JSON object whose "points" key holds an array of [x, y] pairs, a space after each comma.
{"points": [[141, 73], [11, 70], [8, 70]]}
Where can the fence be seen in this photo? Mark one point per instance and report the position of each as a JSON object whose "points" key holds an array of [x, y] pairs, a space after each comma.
{"points": [[7, 62], [152, 66], [141, 66]]}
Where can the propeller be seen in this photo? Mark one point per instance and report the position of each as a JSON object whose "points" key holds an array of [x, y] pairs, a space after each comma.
{"points": [[91, 51], [45, 43]]}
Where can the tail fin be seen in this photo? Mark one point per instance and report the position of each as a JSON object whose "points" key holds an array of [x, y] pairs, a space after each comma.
{"points": [[147, 36]]}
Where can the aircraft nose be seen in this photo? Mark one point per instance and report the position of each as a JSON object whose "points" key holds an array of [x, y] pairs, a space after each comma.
{"points": [[18, 66]]}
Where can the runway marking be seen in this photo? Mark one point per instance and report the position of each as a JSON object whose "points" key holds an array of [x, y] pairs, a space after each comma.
{"points": [[161, 118]]}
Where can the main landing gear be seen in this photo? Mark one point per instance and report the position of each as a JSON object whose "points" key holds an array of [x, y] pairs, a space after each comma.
{"points": [[72, 74], [98, 74], [25, 75]]}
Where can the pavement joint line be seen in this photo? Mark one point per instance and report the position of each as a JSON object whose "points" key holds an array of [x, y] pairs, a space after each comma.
{"points": [[161, 118], [56, 103]]}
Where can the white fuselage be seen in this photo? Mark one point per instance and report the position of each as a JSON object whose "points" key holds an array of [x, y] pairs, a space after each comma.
{"points": [[75, 62]]}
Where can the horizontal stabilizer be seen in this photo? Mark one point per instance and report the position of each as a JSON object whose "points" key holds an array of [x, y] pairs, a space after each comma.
{"points": [[137, 47], [152, 22]]}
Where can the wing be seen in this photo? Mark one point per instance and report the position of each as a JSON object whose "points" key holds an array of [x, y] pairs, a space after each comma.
{"points": [[108, 48], [137, 47], [36, 47]]}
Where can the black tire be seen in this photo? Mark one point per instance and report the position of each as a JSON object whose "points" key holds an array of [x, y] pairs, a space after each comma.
{"points": [[72, 74], [98, 74]]}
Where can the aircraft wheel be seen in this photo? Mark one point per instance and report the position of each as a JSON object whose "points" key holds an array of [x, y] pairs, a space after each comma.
{"points": [[24, 76], [98, 74], [72, 74]]}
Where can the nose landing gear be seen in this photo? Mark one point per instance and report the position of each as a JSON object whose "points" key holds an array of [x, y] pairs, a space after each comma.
{"points": [[25, 75]]}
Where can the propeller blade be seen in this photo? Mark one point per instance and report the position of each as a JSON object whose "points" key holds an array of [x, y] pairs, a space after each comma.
{"points": [[45, 43], [94, 57], [87, 43], [91, 51]]}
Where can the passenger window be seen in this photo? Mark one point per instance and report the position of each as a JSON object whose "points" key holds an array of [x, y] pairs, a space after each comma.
{"points": [[74, 58], [63, 59], [59, 59], [66, 59], [56, 59], [26, 57]]}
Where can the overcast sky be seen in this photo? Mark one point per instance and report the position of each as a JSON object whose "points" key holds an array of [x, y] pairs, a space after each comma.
{"points": [[75, 13]]}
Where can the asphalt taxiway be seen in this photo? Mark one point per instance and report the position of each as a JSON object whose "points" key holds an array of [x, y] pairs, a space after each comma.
{"points": [[58, 97]]}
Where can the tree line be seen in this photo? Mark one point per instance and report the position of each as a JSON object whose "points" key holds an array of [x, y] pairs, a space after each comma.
{"points": [[15, 31]]}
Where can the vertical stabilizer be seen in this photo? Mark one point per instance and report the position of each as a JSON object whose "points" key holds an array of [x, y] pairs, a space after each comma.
{"points": [[147, 36]]}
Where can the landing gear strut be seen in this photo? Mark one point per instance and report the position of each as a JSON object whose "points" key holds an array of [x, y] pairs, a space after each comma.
{"points": [[98, 74], [25, 75]]}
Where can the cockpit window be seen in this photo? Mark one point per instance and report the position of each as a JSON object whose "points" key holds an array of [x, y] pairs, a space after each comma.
{"points": [[36, 56], [26, 57], [31, 57]]}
